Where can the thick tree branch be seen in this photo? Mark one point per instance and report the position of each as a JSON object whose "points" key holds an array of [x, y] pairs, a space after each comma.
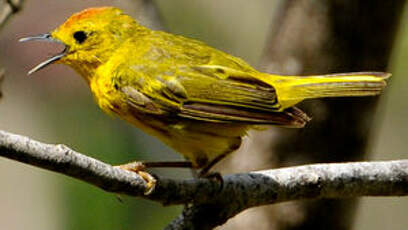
{"points": [[240, 191]]}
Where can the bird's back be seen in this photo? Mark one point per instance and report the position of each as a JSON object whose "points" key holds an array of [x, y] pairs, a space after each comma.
{"points": [[161, 48]]}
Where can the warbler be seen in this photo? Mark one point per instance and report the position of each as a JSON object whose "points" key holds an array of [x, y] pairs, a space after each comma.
{"points": [[196, 99]]}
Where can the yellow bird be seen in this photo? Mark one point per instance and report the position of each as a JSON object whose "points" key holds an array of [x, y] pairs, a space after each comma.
{"points": [[198, 100]]}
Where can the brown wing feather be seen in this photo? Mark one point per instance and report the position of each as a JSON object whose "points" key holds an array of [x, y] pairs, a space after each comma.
{"points": [[292, 117]]}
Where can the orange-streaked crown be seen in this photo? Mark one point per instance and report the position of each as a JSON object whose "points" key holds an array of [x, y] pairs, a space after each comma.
{"points": [[92, 13], [92, 36]]}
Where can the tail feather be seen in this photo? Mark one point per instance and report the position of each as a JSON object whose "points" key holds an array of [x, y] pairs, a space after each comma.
{"points": [[293, 89]]}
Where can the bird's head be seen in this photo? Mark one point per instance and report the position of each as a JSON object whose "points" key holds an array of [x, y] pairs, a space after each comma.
{"points": [[89, 37]]}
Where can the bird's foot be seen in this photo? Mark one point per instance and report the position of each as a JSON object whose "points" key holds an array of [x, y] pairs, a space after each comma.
{"points": [[139, 168]]}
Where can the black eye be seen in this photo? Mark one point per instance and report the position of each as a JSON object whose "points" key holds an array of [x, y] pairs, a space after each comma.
{"points": [[80, 36]]}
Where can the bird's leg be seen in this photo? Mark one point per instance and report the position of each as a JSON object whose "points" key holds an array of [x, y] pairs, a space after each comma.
{"points": [[169, 164], [140, 167], [205, 172]]}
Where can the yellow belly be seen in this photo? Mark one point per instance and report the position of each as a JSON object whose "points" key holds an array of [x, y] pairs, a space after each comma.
{"points": [[199, 142]]}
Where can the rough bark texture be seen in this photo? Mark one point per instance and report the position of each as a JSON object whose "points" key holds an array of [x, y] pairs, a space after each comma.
{"points": [[328, 36]]}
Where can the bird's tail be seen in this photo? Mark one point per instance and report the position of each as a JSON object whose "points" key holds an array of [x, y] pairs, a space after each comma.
{"points": [[294, 89]]}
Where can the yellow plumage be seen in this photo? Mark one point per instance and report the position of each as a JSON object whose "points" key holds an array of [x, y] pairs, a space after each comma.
{"points": [[196, 99]]}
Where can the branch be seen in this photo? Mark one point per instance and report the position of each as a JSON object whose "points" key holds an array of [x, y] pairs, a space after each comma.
{"points": [[207, 198], [8, 8]]}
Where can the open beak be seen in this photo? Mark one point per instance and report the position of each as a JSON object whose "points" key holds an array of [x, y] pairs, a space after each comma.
{"points": [[46, 38]]}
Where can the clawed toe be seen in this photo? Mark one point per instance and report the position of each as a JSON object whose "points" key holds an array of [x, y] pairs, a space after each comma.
{"points": [[136, 166], [139, 167], [150, 181]]}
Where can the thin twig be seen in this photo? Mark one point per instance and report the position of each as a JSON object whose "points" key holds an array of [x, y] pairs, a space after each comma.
{"points": [[206, 198]]}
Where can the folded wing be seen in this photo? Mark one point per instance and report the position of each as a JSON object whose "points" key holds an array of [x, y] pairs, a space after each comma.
{"points": [[209, 93]]}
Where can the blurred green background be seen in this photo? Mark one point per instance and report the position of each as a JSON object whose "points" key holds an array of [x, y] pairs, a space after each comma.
{"points": [[55, 106]]}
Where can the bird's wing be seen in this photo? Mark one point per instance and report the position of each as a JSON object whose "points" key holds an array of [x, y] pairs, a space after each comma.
{"points": [[209, 93]]}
